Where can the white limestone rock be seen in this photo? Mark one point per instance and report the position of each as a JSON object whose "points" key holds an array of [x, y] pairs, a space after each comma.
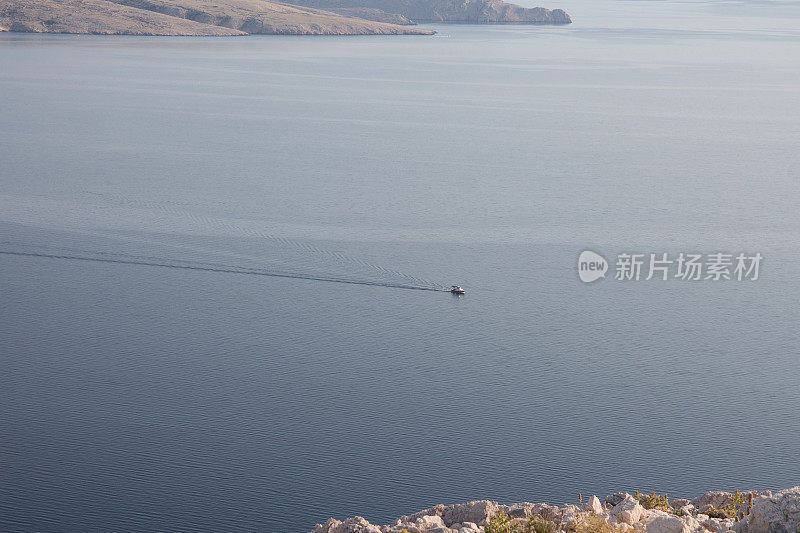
{"points": [[518, 510], [614, 499], [677, 503], [773, 513], [430, 521], [593, 505], [627, 511], [713, 498], [436, 510], [477, 512], [655, 521], [356, 524], [717, 524]]}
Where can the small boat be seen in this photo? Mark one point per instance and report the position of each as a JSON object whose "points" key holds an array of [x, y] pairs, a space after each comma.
{"points": [[456, 289]]}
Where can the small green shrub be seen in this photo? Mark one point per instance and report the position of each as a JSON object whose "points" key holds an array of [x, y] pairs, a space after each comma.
{"points": [[715, 512], [501, 523], [539, 525], [730, 509], [654, 501]]}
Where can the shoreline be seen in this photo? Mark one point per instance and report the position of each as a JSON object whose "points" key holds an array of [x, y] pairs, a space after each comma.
{"points": [[717, 511]]}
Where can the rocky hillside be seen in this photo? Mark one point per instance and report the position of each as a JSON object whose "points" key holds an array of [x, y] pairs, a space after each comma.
{"points": [[96, 17], [242, 17], [186, 17], [739, 512]]}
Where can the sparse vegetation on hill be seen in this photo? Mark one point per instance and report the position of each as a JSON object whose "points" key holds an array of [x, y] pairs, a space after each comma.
{"points": [[242, 17], [185, 17]]}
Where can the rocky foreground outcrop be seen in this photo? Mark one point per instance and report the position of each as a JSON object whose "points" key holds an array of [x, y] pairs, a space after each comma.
{"points": [[726, 512]]}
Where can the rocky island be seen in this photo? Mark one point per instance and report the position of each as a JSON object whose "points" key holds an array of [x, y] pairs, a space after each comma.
{"points": [[244, 17], [726, 512], [447, 11]]}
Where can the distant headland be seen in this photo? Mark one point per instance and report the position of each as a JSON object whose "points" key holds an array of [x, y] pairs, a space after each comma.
{"points": [[245, 17]]}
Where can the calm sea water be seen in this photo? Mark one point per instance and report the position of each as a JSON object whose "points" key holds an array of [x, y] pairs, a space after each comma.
{"points": [[140, 397]]}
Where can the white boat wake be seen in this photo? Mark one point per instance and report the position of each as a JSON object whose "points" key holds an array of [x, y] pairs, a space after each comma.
{"points": [[19, 249], [116, 229]]}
